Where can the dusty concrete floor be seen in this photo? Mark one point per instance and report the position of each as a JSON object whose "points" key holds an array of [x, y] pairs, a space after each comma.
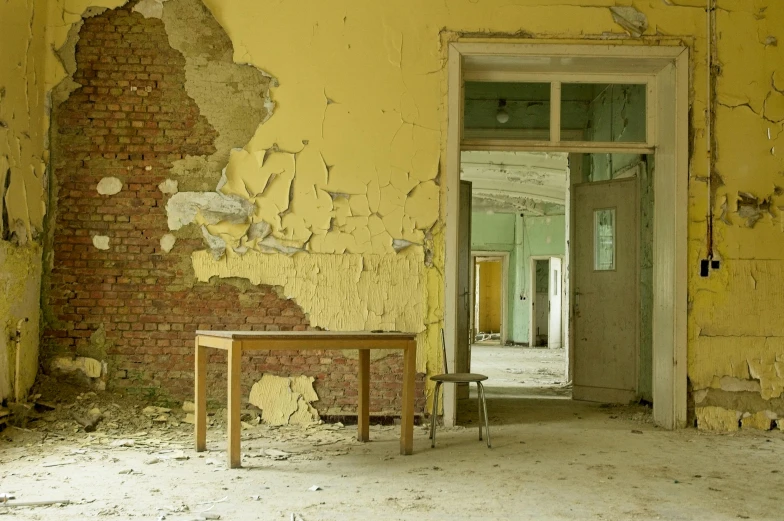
{"points": [[522, 372], [552, 459]]}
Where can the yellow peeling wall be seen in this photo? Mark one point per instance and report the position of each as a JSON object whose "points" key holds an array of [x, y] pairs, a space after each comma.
{"points": [[22, 185], [348, 168]]}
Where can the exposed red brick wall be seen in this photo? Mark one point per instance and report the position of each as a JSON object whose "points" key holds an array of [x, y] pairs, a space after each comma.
{"points": [[131, 119]]}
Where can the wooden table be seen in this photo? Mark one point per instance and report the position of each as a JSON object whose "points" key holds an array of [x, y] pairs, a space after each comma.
{"points": [[236, 342]]}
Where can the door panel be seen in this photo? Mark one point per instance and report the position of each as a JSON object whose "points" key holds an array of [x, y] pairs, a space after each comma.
{"points": [[606, 275], [464, 261], [555, 329]]}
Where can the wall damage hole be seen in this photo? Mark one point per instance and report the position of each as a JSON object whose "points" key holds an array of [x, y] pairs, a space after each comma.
{"points": [[751, 208], [635, 22]]}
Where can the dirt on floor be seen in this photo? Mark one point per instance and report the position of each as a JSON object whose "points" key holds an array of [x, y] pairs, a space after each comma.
{"points": [[550, 459]]}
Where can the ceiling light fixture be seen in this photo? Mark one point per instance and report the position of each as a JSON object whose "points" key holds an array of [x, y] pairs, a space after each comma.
{"points": [[502, 115]]}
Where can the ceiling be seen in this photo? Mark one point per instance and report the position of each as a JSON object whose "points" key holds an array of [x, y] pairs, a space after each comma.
{"points": [[533, 183]]}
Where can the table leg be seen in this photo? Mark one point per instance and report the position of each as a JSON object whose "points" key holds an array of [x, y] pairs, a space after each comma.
{"points": [[200, 398], [235, 357], [407, 417], [363, 400]]}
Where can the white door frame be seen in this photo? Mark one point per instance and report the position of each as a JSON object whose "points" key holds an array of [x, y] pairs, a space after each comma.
{"points": [[532, 293], [504, 255], [665, 69]]}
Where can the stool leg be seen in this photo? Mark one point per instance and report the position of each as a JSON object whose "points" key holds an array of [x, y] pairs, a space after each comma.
{"points": [[433, 416], [479, 406], [484, 407]]}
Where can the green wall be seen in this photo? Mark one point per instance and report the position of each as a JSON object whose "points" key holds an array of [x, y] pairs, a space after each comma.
{"points": [[522, 237]]}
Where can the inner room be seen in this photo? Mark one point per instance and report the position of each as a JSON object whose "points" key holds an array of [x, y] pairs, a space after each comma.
{"points": [[518, 244]]}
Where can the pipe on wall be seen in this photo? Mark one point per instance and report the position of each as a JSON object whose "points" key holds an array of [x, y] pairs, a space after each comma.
{"points": [[18, 370]]}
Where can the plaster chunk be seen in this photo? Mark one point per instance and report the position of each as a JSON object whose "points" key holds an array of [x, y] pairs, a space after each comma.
{"points": [[214, 207], [169, 186], [760, 420], [167, 242], [90, 367], [109, 186], [700, 395], [634, 21], [101, 242], [285, 401], [150, 8], [717, 419]]}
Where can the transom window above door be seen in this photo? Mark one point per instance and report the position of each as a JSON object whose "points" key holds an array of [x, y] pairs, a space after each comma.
{"points": [[591, 114]]}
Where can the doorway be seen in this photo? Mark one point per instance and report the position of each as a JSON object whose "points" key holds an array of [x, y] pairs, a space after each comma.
{"points": [[547, 326], [662, 75], [490, 292]]}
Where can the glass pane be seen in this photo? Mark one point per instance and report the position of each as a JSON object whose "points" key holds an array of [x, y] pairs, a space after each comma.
{"points": [[600, 112], [604, 239], [507, 110], [590, 168]]}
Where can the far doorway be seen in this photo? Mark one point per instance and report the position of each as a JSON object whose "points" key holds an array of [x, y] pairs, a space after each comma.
{"points": [[546, 309], [490, 288]]}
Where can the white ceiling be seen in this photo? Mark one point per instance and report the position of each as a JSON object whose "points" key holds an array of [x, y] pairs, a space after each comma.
{"points": [[517, 182]]}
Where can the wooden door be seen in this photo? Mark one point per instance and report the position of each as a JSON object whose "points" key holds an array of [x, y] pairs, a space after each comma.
{"points": [[606, 275]]}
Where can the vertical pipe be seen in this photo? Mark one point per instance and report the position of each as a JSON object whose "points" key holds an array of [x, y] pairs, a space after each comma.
{"points": [[18, 369], [709, 106]]}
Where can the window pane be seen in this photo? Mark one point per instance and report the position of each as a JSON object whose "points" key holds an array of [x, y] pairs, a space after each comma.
{"points": [[507, 110], [607, 113], [604, 239]]}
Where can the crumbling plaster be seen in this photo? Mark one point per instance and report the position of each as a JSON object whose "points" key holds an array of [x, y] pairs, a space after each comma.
{"points": [[23, 159], [349, 162]]}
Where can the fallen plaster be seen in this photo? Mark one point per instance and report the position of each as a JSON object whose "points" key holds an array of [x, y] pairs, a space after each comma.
{"points": [[285, 400], [89, 367], [109, 186], [101, 242]]}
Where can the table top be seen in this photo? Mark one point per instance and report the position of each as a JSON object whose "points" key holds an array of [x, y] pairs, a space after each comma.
{"points": [[306, 335]]}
